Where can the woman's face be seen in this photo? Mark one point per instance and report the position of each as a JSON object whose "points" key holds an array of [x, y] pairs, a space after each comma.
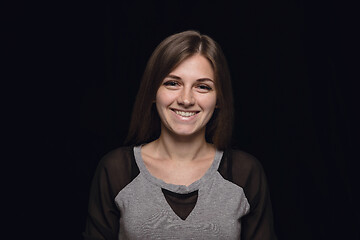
{"points": [[186, 98]]}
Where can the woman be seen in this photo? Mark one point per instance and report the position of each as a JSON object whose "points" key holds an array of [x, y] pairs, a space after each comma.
{"points": [[179, 179]]}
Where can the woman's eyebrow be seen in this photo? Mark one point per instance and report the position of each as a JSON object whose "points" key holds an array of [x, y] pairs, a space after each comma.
{"points": [[198, 80], [204, 80], [173, 76]]}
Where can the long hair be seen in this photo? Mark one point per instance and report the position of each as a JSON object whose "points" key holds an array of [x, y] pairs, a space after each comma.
{"points": [[145, 121]]}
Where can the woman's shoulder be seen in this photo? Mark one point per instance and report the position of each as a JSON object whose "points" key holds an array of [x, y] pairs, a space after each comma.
{"points": [[118, 158], [243, 165], [244, 158], [118, 167], [118, 154]]}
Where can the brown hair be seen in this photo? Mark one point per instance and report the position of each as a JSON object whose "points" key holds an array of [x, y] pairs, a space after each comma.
{"points": [[145, 122]]}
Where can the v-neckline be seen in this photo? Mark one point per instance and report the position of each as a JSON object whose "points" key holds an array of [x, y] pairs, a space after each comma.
{"points": [[180, 212]]}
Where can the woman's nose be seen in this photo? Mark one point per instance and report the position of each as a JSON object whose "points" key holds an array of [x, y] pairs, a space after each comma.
{"points": [[186, 98]]}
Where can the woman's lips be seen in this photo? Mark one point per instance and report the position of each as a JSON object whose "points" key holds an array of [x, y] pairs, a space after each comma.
{"points": [[185, 114]]}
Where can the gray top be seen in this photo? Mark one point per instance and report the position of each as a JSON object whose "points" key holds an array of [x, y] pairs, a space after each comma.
{"points": [[145, 213], [127, 202]]}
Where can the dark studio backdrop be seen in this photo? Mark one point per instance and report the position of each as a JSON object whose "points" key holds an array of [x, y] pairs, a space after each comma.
{"points": [[295, 99]]}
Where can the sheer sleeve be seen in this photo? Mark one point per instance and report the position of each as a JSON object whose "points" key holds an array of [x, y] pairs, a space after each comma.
{"points": [[114, 172], [248, 173]]}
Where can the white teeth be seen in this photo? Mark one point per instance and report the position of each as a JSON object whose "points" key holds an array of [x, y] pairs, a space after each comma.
{"points": [[185, 114]]}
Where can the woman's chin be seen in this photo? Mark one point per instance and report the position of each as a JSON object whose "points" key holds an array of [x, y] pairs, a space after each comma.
{"points": [[187, 133]]}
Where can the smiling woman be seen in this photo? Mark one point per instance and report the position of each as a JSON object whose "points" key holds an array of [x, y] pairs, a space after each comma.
{"points": [[145, 122], [186, 99], [178, 178]]}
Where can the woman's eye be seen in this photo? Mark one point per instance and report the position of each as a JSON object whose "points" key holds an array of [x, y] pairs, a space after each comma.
{"points": [[171, 83], [204, 87]]}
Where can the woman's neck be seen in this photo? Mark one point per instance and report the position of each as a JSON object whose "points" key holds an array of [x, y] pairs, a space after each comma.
{"points": [[182, 148]]}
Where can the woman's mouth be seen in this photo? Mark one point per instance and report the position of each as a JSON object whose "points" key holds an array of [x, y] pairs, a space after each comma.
{"points": [[185, 113]]}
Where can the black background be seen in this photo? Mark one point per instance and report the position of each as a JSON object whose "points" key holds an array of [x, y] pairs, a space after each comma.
{"points": [[294, 82]]}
